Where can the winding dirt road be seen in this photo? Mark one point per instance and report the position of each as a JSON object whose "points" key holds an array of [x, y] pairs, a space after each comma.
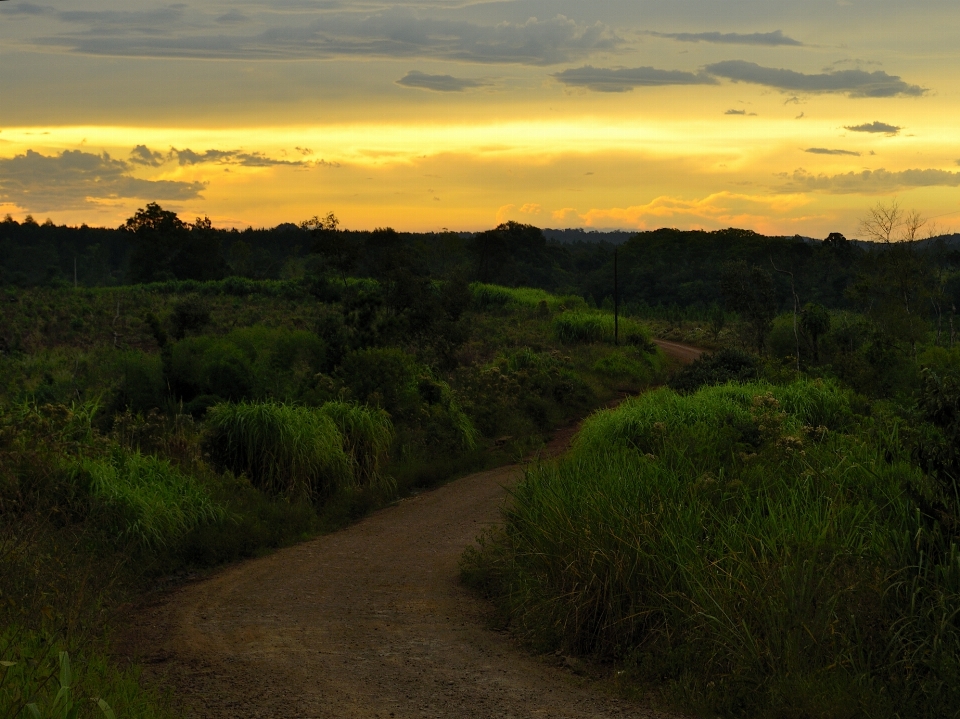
{"points": [[366, 622]]}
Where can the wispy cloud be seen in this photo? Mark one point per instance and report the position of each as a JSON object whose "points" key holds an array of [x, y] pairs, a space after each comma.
{"points": [[869, 181], [740, 112], [74, 179], [853, 83], [230, 157], [23, 8], [393, 32], [624, 79], [438, 83], [827, 151], [874, 127], [731, 38], [721, 209]]}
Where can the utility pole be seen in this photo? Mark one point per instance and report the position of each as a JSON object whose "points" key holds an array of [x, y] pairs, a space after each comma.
{"points": [[616, 302]]}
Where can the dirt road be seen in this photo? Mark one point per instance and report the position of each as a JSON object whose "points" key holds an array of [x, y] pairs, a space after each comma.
{"points": [[684, 353], [366, 622]]}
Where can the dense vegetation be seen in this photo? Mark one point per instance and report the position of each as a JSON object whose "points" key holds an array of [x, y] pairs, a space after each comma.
{"points": [[778, 532], [773, 534], [155, 428]]}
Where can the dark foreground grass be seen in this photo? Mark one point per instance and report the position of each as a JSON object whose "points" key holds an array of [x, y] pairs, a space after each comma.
{"points": [[741, 549]]}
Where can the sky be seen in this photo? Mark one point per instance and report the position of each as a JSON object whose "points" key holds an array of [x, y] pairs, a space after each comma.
{"points": [[781, 116]]}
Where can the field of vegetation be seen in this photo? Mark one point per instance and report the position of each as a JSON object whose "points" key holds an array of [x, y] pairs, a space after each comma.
{"points": [[773, 533], [151, 431], [777, 532]]}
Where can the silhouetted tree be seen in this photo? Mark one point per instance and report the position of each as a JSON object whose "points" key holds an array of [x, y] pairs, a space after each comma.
{"points": [[750, 292], [338, 249]]}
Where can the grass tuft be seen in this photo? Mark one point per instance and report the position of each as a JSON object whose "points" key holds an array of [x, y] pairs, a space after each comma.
{"points": [[283, 449]]}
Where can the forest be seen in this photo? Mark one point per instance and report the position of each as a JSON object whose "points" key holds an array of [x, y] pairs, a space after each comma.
{"points": [[771, 530]]}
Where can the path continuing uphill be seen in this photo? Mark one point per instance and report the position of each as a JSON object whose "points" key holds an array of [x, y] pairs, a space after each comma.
{"points": [[366, 622]]}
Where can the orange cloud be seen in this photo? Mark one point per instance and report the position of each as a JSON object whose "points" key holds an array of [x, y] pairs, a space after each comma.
{"points": [[721, 209]]}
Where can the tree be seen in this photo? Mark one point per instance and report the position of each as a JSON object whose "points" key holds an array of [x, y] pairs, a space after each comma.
{"points": [[153, 219], [814, 323], [895, 277], [336, 247], [166, 247], [751, 293]]}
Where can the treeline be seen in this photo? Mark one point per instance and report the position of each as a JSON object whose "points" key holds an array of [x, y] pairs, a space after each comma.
{"points": [[665, 266]]}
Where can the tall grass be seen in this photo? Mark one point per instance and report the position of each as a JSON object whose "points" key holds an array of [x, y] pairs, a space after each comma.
{"points": [[145, 497], [283, 449], [367, 436], [739, 545], [583, 327], [489, 297]]}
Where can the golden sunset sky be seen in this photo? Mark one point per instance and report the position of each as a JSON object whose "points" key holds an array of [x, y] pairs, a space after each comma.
{"points": [[782, 116]]}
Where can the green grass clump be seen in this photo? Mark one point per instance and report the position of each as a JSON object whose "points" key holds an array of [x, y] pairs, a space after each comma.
{"points": [[491, 297], [283, 449], [367, 435], [640, 369], [584, 327], [739, 546], [146, 498]]}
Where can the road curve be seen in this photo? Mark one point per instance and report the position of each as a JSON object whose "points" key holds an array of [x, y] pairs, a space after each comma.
{"points": [[366, 622]]}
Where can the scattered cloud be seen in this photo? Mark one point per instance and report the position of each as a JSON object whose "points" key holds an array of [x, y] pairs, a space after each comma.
{"points": [[438, 83], [142, 155], [74, 179], [566, 214], [238, 157], [344, 31], [853, 83], [876, 127], [624, 79], [869, 181], [826, 151], [531, 208], [731, 38], [740, 112]]}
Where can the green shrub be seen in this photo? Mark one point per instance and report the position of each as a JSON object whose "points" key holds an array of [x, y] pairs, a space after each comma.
{"points": [[296, 451], [140, 382], [727, 365], [145, 498], [393, 380]]}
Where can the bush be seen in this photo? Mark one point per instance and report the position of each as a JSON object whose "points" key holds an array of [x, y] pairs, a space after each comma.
{"points": [[140, 382], [727, 365], [394, 381], [295, 451]]}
